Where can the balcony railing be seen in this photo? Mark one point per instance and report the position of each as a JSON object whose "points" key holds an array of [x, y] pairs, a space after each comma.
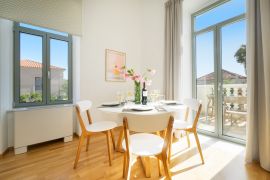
{"points": [[234, 108]]}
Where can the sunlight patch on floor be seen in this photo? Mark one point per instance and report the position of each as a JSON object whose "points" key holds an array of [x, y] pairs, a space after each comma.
{"points": [[214, 151]]}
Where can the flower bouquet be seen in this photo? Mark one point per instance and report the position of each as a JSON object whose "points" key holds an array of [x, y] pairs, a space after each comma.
{"points": [[138, 79]]}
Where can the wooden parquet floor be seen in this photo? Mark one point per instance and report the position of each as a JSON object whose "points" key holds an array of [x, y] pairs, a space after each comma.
{"points": [[54, 160]]}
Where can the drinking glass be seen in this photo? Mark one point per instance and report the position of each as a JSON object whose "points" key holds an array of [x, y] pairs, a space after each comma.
{"points": [[118, 96], [129, 96], [161, 97]]}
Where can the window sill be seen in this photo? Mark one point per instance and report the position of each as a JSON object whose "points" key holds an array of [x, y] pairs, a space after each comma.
{"points": [[40, 107]]}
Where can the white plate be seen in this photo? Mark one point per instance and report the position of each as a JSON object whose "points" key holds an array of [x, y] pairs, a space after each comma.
{"points": [[114, 103], [170, 102], [142, 108]]}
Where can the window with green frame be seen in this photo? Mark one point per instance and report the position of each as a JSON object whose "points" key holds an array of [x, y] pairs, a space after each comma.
{"points": [[42, 66]]}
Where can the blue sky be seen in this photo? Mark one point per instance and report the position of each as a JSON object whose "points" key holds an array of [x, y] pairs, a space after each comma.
{"points": [[31, 48], [59, 54], [232, 37]]}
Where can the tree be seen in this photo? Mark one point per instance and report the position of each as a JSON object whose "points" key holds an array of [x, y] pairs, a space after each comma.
{"points": [[240, 56]]}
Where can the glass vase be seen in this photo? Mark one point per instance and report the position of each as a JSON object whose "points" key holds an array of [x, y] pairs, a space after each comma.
{"points": [[137, 92]]}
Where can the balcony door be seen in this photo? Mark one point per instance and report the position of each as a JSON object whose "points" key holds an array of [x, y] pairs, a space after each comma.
{"points": [[219, 68]]}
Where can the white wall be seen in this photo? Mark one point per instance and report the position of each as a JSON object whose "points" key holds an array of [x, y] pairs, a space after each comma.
{"points": [[76, 57], [134, 27], [153, 12], [6, 78]]}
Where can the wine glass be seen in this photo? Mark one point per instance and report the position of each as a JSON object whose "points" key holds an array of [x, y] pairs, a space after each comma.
{"points": [[118, 96], [129, 96]]}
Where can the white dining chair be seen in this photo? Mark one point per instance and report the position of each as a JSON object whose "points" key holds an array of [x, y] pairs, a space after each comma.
{"points": [[143, 142], [190, 126], [89, 128]]}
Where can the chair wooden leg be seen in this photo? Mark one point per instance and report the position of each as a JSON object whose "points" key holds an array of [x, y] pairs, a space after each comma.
{"points": [[109, 147], [119, 142], [159, 168], [146, 166], [128, 167], [146, 162], [198, 145], [170, 152], [124, 165], [113, 141], [78, 151], [166, 166], [87, 142], [188, 140], [149, 165]]}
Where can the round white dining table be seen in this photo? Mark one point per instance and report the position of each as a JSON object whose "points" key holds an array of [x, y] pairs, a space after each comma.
{"points": [[118, 112]]}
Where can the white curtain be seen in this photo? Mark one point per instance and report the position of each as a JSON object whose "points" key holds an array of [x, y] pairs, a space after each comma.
{"points": [[173, 32], [258, 69]]}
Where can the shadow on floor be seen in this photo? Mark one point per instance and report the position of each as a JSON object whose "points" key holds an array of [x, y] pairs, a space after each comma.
{"points": [[186, 153]]}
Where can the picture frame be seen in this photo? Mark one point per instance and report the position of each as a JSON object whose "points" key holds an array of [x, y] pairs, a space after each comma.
{"points": [[114, 63]]}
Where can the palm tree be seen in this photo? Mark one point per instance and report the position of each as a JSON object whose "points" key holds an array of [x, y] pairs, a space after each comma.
{"points": [[240, 56]]}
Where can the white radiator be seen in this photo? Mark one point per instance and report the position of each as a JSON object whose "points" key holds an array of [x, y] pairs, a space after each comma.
{"points": [[32, 126]]}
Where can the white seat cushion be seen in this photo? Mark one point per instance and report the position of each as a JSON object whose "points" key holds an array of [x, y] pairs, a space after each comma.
{"points": [[144, 144], [101, 126], [180, 124]]}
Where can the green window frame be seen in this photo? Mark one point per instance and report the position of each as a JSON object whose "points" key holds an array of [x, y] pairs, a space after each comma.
{"points": [[46, 79], [217, 58]]}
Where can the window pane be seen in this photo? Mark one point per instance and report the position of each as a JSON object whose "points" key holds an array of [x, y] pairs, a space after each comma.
{"points": [[43, 29], [206, 80], [30, 68], [59, 70], [221, 13], [234, 79]]}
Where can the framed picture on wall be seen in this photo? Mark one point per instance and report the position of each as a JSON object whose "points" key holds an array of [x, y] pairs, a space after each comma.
{"points": [[115, 63]]}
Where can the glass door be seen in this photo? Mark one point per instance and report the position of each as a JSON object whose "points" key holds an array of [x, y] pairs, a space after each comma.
{"points": [[205, 79], [234, 79], [219, 68]]}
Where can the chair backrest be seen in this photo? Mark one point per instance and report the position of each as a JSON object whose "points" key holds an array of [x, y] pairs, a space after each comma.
{"points": [[147, 123], [83, 107], [195, 105]]}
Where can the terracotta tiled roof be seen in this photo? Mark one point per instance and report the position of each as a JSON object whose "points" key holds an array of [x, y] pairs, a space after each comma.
{"points": [[227, 76], [34, 64]]}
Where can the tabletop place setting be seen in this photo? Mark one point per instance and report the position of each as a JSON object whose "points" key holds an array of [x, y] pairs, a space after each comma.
{"points": [[141, 100]]}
